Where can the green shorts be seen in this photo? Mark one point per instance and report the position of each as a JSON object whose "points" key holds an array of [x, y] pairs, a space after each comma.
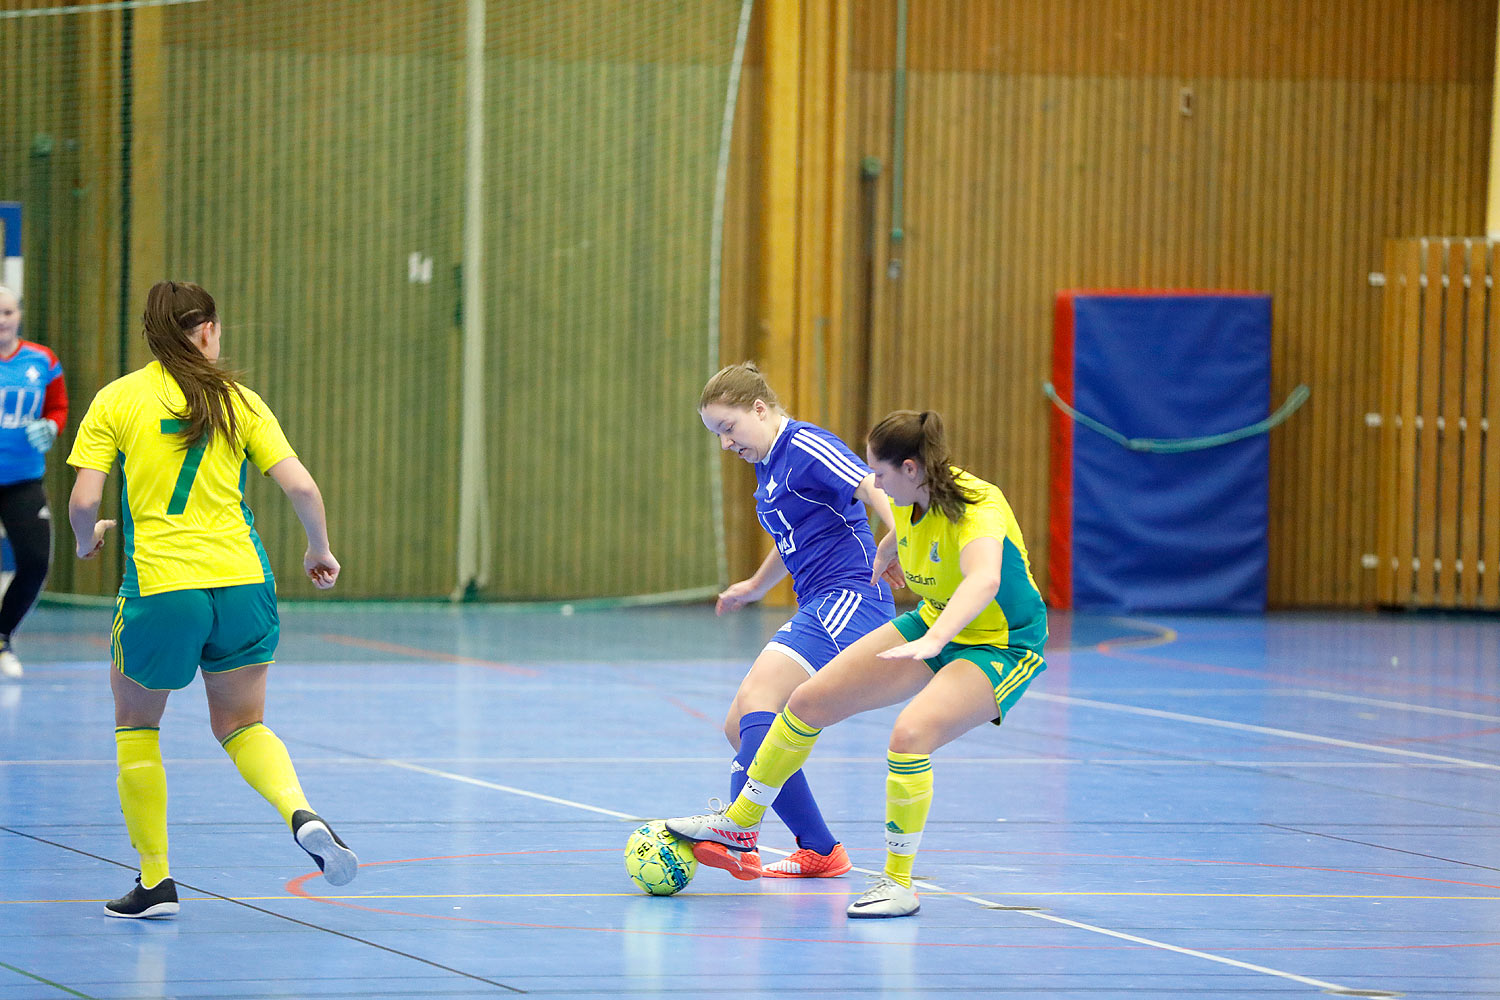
{"points": [[160, 641], [1009, 668]]}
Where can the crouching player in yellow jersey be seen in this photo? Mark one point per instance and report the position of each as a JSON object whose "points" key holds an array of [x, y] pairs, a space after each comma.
{"points": [[963, 656], [197, 586]]}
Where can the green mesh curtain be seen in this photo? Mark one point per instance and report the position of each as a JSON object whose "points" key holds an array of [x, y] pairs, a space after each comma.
{"points": [[463, 249]]}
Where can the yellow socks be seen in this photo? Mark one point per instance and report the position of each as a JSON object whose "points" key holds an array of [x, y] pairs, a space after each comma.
{"points": [[908, 796], [784, 751], [142, 782], [263, 762]]}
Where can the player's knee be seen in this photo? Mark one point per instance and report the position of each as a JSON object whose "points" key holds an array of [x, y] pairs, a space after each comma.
{"points": [[911, 736], [225, 725], [812, 709]]}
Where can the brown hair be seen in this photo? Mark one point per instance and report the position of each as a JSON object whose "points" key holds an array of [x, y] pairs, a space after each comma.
{"points": [[173, 310], [919, 436], [739, 386]]}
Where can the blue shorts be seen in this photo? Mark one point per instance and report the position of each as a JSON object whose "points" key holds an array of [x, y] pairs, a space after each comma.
{"points": [[830, 623]]}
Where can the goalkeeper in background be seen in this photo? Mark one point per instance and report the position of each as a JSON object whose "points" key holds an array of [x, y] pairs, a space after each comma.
{"points": [[33, 408]]}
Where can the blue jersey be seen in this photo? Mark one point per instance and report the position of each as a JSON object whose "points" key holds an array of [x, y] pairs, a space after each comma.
{"points": [[804, 497], [31, 387]]}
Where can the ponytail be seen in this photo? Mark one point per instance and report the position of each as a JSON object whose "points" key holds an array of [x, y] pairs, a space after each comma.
{"points": [[173, 310], [907, 434]]}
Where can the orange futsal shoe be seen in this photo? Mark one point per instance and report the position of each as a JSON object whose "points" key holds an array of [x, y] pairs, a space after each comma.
{"points": [[805, 863], [743, 865]]}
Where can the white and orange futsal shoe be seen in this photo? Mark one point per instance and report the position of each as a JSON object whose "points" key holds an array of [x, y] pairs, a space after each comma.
{"points": [[806, 863], [743, 865]]}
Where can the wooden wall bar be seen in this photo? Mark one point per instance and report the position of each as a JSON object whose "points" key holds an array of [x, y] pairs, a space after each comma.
{"points": [[1439, 427]]}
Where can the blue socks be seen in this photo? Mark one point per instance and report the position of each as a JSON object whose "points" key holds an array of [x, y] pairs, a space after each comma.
{"points": [[795, 804]]}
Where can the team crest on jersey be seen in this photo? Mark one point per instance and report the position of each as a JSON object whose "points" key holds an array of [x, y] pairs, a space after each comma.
{"points": [[770, 486], [33, 374], [933, 555]]}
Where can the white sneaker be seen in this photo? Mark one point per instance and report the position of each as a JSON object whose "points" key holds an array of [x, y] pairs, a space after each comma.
{"points": [[886, 898], [716, 827], [10, 665]]}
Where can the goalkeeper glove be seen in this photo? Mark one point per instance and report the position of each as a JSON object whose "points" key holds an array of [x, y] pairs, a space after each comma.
{"points": [[41, 434]]}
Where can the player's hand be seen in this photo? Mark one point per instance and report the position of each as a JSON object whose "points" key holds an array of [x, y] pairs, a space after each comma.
{"points": [[321, 568], [735, 596], [41, 434], [889, 571], [918, 649], [89, 550]]}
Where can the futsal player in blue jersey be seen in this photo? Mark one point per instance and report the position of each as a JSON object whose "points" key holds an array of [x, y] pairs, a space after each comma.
{"points": [[811, 496], [963, 657], [33, 408]]}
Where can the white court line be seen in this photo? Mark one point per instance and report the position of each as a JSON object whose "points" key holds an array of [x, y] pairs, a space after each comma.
{"points": [[1288, 734], [1404, 706], [1193, 952], [504, 788], [931, 887]]}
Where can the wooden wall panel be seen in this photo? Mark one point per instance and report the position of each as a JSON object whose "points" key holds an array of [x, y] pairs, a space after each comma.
{"points": [[1049, 148]]}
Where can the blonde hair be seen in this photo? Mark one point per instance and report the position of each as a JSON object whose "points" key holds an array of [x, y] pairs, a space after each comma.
{"points": [[739, 386], [919, 436]]}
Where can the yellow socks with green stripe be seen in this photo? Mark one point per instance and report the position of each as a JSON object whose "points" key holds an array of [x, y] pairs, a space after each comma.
{"points": [[908, 796], [785, 750], [142, 782], [263, 762]]}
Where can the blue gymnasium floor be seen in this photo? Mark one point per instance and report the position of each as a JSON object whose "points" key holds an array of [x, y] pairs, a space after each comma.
{"points": [[1206, 807]]}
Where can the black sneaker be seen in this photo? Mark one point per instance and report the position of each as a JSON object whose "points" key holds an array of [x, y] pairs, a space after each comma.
{"points": [[313, 834], [158, 901]]}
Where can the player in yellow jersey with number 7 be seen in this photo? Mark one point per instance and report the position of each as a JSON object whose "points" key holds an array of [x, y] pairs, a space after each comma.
{"points": [[197, 587], [963, 656]]}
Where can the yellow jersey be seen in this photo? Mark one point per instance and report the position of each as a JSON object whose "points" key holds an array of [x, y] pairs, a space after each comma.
{"points": [[929, 548], [183, 514]]}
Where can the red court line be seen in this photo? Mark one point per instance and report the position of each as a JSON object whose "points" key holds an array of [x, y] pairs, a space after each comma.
{"points": [[297, 887], [429, 654]]}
